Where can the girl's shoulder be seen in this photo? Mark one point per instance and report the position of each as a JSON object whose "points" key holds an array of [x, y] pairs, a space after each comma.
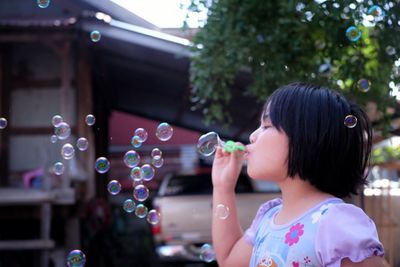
{"points": [[264, 209], [346, 231]]}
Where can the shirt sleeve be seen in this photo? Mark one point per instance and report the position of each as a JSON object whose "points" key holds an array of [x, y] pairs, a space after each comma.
{"points": [[250, 233], [345, 231]]}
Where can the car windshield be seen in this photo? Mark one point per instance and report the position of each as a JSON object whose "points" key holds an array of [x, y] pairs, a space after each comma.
{"points": [[198, 184]]}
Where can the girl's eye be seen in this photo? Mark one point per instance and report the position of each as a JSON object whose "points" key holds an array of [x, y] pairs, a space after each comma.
{"points": [[265, 127]]}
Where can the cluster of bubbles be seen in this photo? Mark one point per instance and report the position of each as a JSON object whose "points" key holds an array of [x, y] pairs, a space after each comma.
{"points": [[139, 173], [62, 131]]}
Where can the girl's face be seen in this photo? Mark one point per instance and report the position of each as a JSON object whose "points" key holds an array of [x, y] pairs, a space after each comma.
{"points": [[267, 152]]}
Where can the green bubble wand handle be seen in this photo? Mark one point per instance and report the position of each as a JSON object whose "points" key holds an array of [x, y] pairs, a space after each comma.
{"points": [[230, 146]]}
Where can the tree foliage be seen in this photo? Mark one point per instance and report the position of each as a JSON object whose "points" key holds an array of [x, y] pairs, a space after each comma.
{"points": [[279, 42]]}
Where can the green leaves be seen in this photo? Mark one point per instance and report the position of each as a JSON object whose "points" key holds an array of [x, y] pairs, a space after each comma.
{"points": [[279, 42]]}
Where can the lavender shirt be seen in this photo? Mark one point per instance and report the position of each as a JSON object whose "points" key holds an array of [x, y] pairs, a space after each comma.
{"points": [[323, 236]]}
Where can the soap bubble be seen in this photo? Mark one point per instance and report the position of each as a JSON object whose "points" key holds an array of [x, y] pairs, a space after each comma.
{"points": [[142, 134], [56, 120], [390, 50], [82, 144], [140, 192], [95, 36], [43, 3], [350, 121], [207, 253], [364, 85], [153, 217], [58, 168], [114, 187], [157, 162], [67, 151], [53, 138], [63, 130], [156, 152], [129, 205], [76, 258], [90, 120], [147, 172], [136, 174], [376, 12], [102, 165], [164, 131], [135, 141], [141, 211], [207, 143], [131, 158], [3, 123], [222, 211], [353, 33]]}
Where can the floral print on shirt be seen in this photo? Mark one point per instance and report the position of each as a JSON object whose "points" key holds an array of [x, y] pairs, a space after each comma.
{"points": [[293, 236]]}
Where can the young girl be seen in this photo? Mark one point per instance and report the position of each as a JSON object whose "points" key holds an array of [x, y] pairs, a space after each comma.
{"points": [[317, 155]]}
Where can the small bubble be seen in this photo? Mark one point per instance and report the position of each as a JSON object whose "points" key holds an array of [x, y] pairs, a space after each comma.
{"points": [[76, 258], [141, 211], [164, 131], [90, 120], [156, 152], [350, 121], [376, 12], [142, 134], [102, 165], [43, 3], [147, 172], [140, 192], [95, 36], [157, 162], [58, 168], [135, 141], [353, 33], [207, 253], [114, 187], [153, 217], [67, 151], [63, 130], [129, 205], [53, 138], [82, 144], [3, 123], [364, 85], [56, 120], [136, 174], [131, 158], [222, 211], [390, 50]]}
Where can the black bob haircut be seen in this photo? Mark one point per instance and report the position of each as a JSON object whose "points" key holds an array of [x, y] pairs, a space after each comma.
{"points": [[322, 149]]}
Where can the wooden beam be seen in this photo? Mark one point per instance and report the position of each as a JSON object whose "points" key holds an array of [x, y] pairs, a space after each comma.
{"points": [[34, 244], [36, 37]]}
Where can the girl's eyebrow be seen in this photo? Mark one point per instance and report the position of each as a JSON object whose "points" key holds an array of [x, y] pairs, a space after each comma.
{"points": [[265, 117]]}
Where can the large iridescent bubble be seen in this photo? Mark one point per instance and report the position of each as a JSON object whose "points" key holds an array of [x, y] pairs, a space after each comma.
{"points": [[141, 192]]}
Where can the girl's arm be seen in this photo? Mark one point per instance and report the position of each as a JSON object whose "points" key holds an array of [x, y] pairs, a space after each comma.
{"points": [[230, 247]]}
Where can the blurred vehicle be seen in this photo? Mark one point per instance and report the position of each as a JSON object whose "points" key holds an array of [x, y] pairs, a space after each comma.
{"points": [[184, 201]]}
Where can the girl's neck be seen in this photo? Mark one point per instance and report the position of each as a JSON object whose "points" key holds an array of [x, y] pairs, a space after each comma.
{"points": [[298, 197]]}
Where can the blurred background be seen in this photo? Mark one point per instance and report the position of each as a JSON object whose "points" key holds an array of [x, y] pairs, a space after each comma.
{"points": [[137, 64]]}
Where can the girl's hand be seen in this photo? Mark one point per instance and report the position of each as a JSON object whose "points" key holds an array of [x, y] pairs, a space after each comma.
{"points": [[226, 168]]}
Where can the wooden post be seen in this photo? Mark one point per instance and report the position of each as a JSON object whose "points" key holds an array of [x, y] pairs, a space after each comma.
{"points": [[5, 73]]}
